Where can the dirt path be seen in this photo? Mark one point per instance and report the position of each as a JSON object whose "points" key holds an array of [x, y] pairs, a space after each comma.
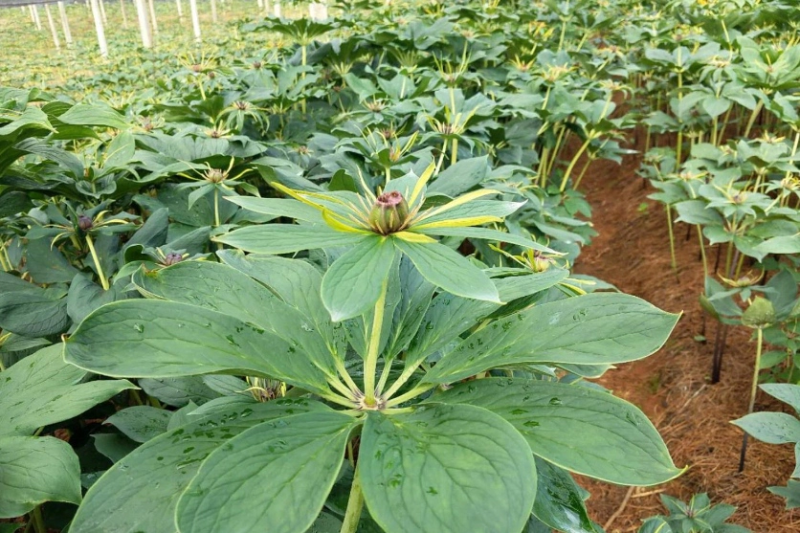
{"points": [[672, 387]]}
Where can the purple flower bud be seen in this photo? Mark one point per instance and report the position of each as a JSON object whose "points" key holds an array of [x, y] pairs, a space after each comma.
{"points": [[172, 258], [389, 213], [85, 223]]}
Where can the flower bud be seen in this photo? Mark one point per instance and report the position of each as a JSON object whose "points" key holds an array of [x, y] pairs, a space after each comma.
{"points": [[389, 213], [172, 258], [760, 314], [85, 223]]}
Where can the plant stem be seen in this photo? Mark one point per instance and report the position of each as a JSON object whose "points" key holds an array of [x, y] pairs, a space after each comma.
{"points": [[216, 208], [38, 521], [355, 503], [673, 259], [753, 392], [454, 152], [413, 393], [371, 361], [100, 274], [574, 161], [702, 251]]}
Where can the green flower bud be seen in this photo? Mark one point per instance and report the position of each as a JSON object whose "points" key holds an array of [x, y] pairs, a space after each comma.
{"points": [[389, 213], [760, 314]]}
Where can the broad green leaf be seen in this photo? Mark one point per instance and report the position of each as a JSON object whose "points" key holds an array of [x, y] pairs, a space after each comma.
{"points": [[278, 207], [95, 114], [33, 312], [461, 177], [153, 338], [772, 428], [449, 270], [415, 299], [353, 283], [180, 391], [446, 468], [595, 329], [31, 118], [140, 423], [154, 476], [487, 235], [785, 392], [42, 389], [780, 245], [296, 282], [224, 289], [113, 445], [34, 470], [558, 500], [272, 477], [514, 287], [287, 238], [85, 296], [577, 428]]}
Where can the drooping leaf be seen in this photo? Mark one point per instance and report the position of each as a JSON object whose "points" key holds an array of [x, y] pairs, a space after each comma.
{"points": [[287, 238], [292, 463], [447, 469], [577, 428]]}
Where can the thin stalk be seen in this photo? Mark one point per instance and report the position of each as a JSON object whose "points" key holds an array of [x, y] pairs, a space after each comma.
{"points": [[673, 259], [38, 521], [355, 503], [542, 170], [371, 361], [583, 171], [572, 163], [345, 375], [410, 395], [405, 376], [454, 152], [338, 400], [441, 157], [752, 120], [100, 274], [702, 250], [3, 264], [753, 392], [387, 369], [216, 208]]}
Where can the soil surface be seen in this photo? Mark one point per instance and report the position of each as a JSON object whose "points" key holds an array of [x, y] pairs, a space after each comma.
{"points": [[672, 386]]}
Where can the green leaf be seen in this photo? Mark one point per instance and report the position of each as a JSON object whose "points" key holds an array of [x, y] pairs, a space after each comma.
{"points": [[558, 500], [461, 177], [514, 287], [151, 338], [41, 390], [291, 465], [449, 270], [33, 312], [154, 476], [35, 470], [787, 244], [577, 428], [94, 115], [595, 329], [785, 392], [487, 234], [353, 283], [224, 289], [287, 238], [448, 469], [772, 428], [179, 391], [140, 423], [278, 207]]}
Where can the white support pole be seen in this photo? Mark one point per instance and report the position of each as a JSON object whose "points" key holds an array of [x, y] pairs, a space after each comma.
{"points": [[266, 8], [144, 25], [52, 25], [98, 26], [103, 12], [124, 15], [36, 19], [62, 11], [276, 8], [153, 20], [214, 11], [180, 10], [195, 19], [260, 5]]}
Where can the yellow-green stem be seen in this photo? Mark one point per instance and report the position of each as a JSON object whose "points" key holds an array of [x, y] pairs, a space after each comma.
{"points": [[38, 521], [572, 163], [410, 395], [702, 250], [355, 504], [373, 348], [756, 370], [441, 157], [340, 368], [673, 259], [100, 274], [387, 369], [752, 120], [454, 152]]}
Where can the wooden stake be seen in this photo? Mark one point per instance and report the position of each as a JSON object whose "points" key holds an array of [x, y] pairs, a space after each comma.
{"points": [[153, 16], [36, 19], [195, 19], [62, 11], [124, 15], [180, 10], [214, 11], [103, 11], [52, 27], [144, 25], [98, 26]]}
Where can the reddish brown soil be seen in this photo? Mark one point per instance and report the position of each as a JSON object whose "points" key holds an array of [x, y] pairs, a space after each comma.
{"points": [[672, 386]]}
